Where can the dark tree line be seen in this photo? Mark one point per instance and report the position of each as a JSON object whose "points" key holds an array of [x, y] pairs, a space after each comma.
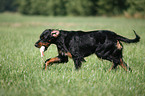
{"points": [[74, 7]]}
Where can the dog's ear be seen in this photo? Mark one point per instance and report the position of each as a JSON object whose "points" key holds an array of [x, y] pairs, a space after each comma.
{"points": [[55, 33]]}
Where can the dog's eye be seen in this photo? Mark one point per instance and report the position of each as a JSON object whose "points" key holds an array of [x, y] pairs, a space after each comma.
{"points": [[45, 40], [41, 38]]}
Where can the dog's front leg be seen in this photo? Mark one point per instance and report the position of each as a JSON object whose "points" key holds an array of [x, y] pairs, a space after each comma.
{"points": [[51, 60]]}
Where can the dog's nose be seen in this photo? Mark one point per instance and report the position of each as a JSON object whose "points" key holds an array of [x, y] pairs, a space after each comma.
{"points": [[36, 45]]}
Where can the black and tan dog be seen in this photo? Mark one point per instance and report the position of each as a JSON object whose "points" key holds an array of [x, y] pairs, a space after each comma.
{"points": [[78, 44]]}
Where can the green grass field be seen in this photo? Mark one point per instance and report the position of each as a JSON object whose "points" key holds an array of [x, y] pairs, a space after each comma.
{"points": [[21, 71]]}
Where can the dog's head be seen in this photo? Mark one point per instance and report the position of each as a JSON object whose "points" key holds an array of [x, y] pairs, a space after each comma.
{"points": [[46, 38]]}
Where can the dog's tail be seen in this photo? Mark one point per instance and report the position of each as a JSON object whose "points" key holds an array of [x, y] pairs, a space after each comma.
{"points": [[135, 40]]}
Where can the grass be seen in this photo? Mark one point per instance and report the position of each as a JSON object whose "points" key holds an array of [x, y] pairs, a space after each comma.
{"points": [[21, 71]]}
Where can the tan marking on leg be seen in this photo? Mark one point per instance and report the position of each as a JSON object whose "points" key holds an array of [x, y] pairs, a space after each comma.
{"points": [[111, 68], [118, 45], [52, 60], [68, 54], [122, 65]]}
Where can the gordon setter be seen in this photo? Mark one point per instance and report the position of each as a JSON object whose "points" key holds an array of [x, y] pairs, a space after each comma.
{"points": [[78, 44]]}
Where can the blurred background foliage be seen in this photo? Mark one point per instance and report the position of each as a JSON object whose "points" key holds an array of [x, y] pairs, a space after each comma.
{"points": [[128, 8]]}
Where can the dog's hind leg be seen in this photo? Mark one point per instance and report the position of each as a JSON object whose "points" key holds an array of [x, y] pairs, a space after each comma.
{"points": [[124, 65], [113, 66]]}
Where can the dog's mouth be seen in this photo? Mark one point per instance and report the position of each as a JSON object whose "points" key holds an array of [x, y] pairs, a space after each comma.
{"points": [[45, 46], [39, 44], [42, 48]]}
